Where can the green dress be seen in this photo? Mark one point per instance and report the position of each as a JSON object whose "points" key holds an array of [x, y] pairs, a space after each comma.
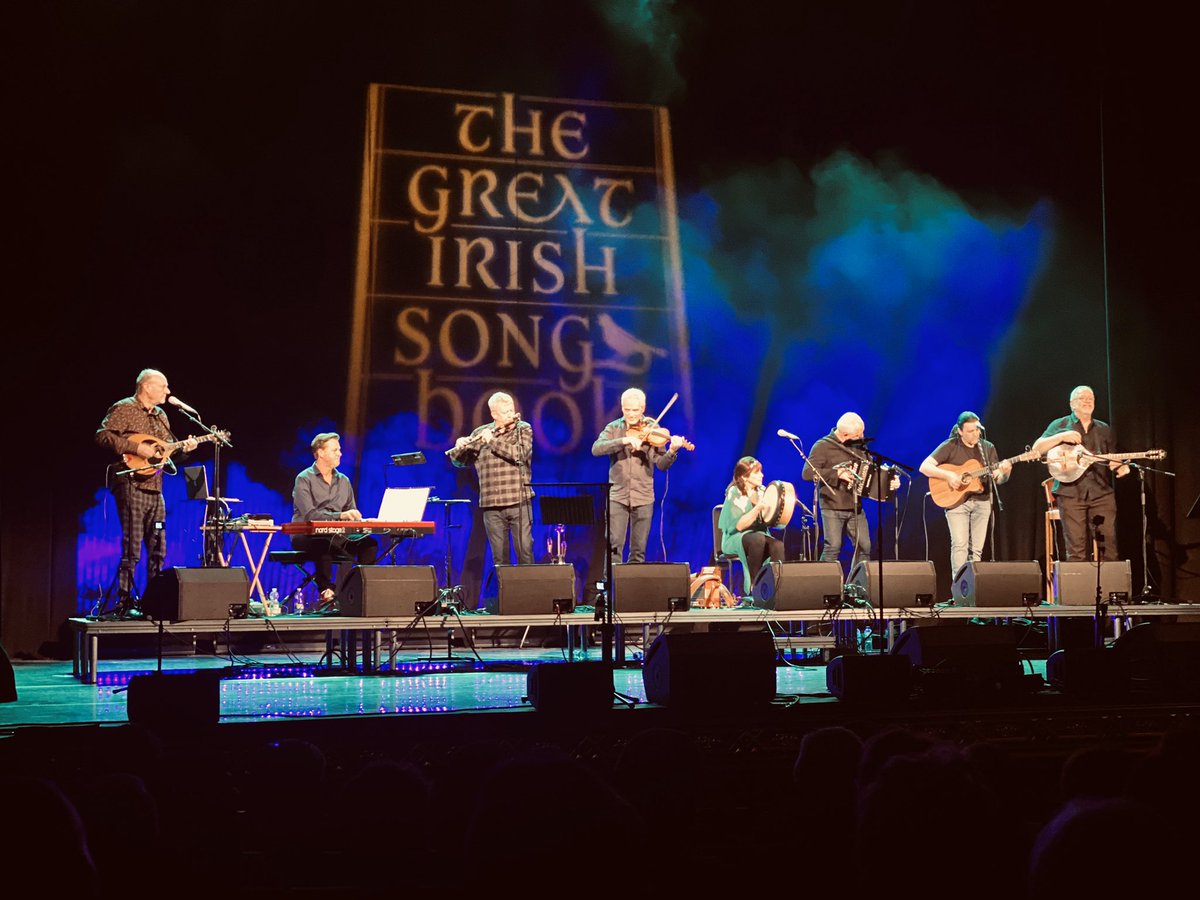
{"points": [[737, 505]]}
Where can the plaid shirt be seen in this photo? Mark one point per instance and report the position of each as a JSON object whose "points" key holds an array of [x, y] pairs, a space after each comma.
{"points": [[126, 417], [502, 466]]}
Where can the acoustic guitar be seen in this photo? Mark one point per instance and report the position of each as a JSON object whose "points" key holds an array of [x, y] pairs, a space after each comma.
{"points": [[161, 458], [1068, 462], [973, 473]]}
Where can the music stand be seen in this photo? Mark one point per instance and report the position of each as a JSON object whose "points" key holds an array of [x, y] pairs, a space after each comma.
{"points": [[448, 595], [576, 509]]}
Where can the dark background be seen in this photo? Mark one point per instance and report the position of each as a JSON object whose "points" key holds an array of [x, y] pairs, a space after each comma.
{"points": [[186, 183]]}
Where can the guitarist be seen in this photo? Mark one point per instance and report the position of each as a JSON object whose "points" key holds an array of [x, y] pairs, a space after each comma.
{"points": [[1090, 499], [138, 494], [968, 520]]}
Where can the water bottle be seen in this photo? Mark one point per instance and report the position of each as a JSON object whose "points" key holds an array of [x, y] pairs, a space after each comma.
{"points": [[298, 602], [273, 602]]}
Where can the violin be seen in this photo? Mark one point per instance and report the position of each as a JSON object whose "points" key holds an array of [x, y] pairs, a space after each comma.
{"points": [[654, 435]]}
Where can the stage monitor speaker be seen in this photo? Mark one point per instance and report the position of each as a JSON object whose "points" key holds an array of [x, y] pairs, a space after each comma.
{"points": [[1075, 582], [1162, 657], [534, 589], [374, 591], [175, 699], [8, 678], [997, 583], [869, 679], [903, 581], [973, 653], [650, 587], [574, 688], [797, 585], [711, 669], [182, 595], [1088, 671]]}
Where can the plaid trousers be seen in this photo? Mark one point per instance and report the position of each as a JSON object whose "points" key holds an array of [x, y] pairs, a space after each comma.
{"points": [[142, 515]]}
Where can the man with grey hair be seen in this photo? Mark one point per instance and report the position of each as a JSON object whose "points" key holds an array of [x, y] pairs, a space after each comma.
{"points": [[137, 487], [323, 494], [834, 462], [632, 462], [1088, 505], [501, 451]]}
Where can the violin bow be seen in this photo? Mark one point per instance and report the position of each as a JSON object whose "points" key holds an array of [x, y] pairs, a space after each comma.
{"points": [[670, 403]]}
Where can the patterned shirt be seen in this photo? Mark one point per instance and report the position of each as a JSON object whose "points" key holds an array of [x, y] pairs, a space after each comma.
{"points": [[631, 472], [126, 417], [501, 466], [315, 501]]}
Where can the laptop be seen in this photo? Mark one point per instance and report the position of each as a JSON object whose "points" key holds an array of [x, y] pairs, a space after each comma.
{"points": [[403, 504], [196, 481]]}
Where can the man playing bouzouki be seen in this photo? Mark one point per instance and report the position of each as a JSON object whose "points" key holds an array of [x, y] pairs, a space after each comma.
{"points": [[1088, 500], [968, 519], [137, 486]]}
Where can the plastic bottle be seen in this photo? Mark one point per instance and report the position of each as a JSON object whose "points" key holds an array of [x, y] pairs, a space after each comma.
{"points": [[298, 602], [272, 603]]}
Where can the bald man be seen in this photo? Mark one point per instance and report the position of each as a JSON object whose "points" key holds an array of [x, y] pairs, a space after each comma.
{"points": [[631, 473], [833, 462], [138, 491]]}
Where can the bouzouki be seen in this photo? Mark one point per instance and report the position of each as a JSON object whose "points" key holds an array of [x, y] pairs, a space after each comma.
{"points": [[161, 458], [1068, 462], [973, 473]]}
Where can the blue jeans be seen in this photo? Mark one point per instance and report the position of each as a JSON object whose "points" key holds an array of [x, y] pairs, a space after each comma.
{"points": [[836, 524], [968, 524], [635, 520]]}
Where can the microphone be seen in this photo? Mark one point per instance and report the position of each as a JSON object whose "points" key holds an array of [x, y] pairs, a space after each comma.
{"points": [[175, 401], [788, 435]]}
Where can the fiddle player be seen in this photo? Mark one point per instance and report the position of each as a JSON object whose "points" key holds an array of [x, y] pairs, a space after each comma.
{"points": [[501, 451], [1090, 500], [138, 491], [743, 530], [323, 494], [968, 520], [632, 462], [834, 462]]}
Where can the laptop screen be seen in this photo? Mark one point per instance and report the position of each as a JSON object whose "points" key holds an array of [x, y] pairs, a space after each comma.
{"points": [[196, 480], [403, 504]]}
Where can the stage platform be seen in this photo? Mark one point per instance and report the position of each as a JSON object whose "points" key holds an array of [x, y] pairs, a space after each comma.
{"points": [[354, 642]]}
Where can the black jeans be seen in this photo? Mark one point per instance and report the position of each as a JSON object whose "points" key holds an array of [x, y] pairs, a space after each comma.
{"points": [[1077, 515], [363, 551], [499, 521]]}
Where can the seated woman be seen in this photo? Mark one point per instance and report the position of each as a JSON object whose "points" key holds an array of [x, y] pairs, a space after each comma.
{"points": [[743, 531]]}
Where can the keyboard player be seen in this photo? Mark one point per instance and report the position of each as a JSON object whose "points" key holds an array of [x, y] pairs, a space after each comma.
{"points": [[323, 494]]}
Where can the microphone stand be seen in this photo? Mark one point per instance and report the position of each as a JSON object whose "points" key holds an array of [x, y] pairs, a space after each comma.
{"points": [[810, 534], [1101, 607], [877, 460], [215, 509], [1147, 595], [997, 505]]}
